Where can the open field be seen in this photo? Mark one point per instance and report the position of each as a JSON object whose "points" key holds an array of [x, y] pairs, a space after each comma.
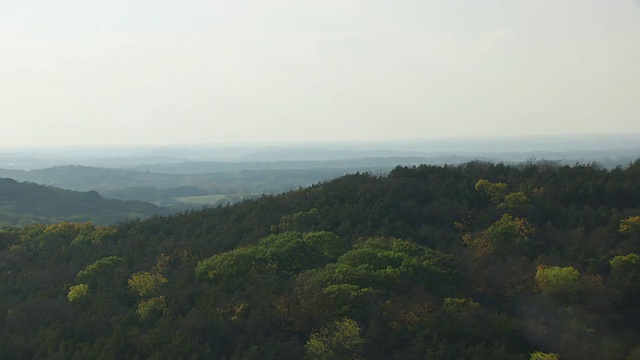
{"points": [[214, 199]]}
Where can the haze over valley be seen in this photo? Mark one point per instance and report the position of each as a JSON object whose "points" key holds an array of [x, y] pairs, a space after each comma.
{"points": [[184, 177]]}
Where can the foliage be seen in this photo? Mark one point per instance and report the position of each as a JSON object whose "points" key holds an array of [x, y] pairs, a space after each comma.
{"points": [[514, 201], [99, 266], [151, 307], [232, 266], [496, 191], [340, 340], [630, 225], [544, 356], [145, 282], [78, 292], [505, 236], [624, 264], [557, 280], [361, 266]]}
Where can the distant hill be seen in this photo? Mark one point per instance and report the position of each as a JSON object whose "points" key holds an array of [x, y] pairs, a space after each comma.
{"points": [[26, 203], [160, 186]]}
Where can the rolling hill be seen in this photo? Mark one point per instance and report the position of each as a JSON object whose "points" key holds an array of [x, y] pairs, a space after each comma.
{"points": [[26, 203]]}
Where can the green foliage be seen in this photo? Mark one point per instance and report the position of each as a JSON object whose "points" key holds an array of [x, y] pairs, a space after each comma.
{"points": [[509, 230], [287, 253], [340, 340], [504, 236], [625, 264], [329, 244], [557, 280], [90, 234], [232, 266], [151, 308], [496, 191], [297, 221], [625, 276], [630, 225], [145, 282], [378, 250], [290, 253], [460, 307], [389, 262], [500, 195], [99, 266], [78, 292], [65, 230], [544, 356], [514, 201]]}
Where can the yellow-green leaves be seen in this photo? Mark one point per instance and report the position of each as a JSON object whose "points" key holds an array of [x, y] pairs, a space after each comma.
{"points": [[145, 282], [625, 263], [103, 265], [503, 236], [557, 280], [496, 191], [500, 195], [630, 225], [152, 307], [514, 200], [538, 355], [232, 266], [78, 292], [339, 340]]}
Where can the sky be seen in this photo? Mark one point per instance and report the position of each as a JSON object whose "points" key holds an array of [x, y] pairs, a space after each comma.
{"points": [[167, 72]]}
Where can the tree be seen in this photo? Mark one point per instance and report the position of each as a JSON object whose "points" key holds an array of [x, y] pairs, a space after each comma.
{"points": [[150, 308], [78, 292], [625, 276], [630, 225], [145, 282], [496, 191], [232, 266], [555, 280], [502, 237], [340, 340], [101, 270]]}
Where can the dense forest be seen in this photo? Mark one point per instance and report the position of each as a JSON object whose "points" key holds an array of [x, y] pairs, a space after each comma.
{"points": [[473, 261], [24, 203]]}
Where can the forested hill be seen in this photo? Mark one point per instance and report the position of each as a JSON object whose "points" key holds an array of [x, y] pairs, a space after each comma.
{"points": [[28, 203], [476, 261]]}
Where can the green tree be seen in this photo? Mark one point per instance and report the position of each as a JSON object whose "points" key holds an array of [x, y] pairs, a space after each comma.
{"points": [[78, 292], [514, 201], [151, 308], [555, 280], [230, 267], [340, 340], [100, 268], [496, 191], [504, 237], [625, 276], [145, 282], [630, 225]]}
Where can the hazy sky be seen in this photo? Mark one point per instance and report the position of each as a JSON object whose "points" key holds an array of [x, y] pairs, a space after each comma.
{"points": [[76, 72]]}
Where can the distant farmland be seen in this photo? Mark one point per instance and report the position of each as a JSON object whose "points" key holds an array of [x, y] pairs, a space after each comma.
{"points": [[215, 199]]}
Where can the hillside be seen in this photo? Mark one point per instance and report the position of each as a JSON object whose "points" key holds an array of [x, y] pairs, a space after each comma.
{"points": [[476, 261], [28, 203]]}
